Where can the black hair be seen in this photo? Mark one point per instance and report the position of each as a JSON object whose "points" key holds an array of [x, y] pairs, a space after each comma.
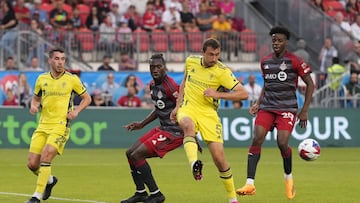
{"points": [[280, 30], [158, 56], [55, 49]]}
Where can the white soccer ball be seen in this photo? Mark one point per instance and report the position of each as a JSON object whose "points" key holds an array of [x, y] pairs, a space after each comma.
{"points": [[309, 149]]}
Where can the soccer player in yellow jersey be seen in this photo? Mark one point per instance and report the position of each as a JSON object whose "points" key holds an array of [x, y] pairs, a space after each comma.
{"points": [[204, 80], [53, 95]]}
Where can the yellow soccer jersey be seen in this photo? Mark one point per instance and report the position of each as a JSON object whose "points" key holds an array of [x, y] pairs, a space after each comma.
{"points": [[200, 78], [56, 96]]}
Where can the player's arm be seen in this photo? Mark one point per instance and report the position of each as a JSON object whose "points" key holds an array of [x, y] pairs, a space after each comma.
{"points": [[35, 104], [139, 125], [85, 101], [303, 115]]}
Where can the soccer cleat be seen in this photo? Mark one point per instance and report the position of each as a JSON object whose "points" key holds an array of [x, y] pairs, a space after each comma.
{"points": [[33, 200], [48, 189], [156, 198], [290, 189], [137, 197], [246, 190], [197, 169]]}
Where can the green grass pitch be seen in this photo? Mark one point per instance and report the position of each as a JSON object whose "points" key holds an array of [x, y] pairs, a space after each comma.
{"points": [[102, 175]]}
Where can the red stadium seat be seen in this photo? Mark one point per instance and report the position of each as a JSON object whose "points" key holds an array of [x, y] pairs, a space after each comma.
{"points": [[195, 40], [86, 39], [248, 40], [177, 40], [159, 39], [141, 40]]}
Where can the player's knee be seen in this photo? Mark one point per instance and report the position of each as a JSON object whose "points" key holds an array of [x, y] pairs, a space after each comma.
{"points": [[33, 166]]}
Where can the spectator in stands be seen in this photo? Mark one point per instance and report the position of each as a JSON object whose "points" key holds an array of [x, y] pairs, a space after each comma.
{"points": [[335, 73], [10, 64], [146, 100], [160, 8], [34, 65], [352, 9], [22, 13], [43, 16], [319, 4], [212, 6], [130, 100], [36, 44], [109, 86], [8, 28], [327, 53], [94, 19], [10, 99], [103, 7], [188, 21], [23, 90], [355, 28], [175, 3], [133, 17], [59, 17], [354, 58], [130, 81], [237, 104], [204, 19], [149, 18], [352, 89], [222, 30], [97, 99], [75, 19], [300, 50], [171, 18], [124, 37], [107, 36], [227, 7], [126, 63], [106, 64], [115, 14], [340, 31], [193, 5], [253, 89]]}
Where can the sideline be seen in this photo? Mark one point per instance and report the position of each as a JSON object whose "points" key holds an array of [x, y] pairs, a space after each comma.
{"points": [[56, 198]]}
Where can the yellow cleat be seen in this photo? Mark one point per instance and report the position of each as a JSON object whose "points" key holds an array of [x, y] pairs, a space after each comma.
{"points": [[246, 190], [290, 189]]}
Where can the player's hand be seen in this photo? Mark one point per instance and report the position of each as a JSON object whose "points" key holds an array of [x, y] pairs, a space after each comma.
{"points": [[210, 92], [72, 115], [133, 126], [173, 115], [33, 110], [303, 117], [254, 109]]}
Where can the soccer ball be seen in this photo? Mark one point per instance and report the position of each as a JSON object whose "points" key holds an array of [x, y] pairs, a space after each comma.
{"points": [[309, 149]]}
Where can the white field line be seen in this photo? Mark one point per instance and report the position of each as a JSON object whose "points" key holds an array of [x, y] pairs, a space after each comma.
{"points": [[57, 198]]}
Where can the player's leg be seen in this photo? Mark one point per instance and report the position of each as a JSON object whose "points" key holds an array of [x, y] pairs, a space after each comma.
{"points": [[263, 123], [190, 143], [217, 152], [285, 123]]}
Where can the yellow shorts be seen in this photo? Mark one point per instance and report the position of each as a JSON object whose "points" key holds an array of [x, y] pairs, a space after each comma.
{"points": [[53, 134], [208, 123]]}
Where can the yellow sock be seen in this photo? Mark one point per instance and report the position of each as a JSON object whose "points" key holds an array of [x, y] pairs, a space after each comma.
{"points": [[44, 174], [228, 181], [191, 148]]}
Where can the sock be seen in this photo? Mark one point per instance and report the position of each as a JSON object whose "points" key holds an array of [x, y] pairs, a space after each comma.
{"points": [[43, 177], [287, 160], [253, 159], [250, 181], [190, 148], [228, 182], [38, 195], [147, 176], [139, 183], [288, 176]]}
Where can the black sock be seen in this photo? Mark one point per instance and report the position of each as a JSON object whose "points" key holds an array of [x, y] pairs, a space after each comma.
{"points": [[139, 183], [147, 177], [253, 159], [287, 160]]}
